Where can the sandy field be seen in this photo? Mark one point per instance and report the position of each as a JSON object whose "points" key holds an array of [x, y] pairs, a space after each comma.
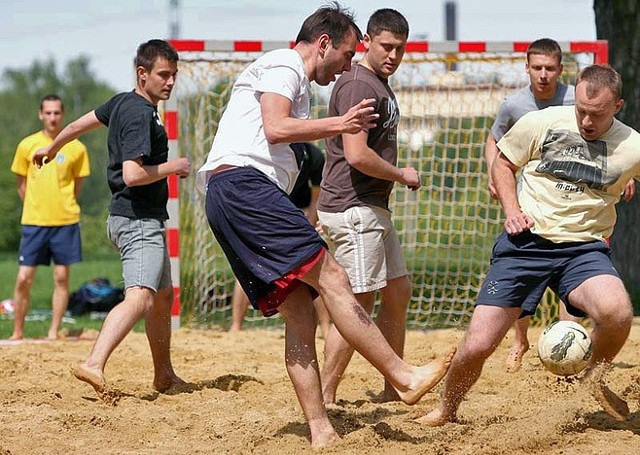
{"points": [[239, 401]]}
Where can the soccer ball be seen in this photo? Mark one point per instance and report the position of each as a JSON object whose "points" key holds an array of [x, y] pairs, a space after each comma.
{"points": [[7, 306], [565, 348]]}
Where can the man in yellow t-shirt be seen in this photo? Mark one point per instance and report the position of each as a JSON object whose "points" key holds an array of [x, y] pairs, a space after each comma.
{"points": [[50, 214]]}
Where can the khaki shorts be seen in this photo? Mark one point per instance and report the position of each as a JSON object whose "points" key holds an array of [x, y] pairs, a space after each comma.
{"points": [[364, 241]]}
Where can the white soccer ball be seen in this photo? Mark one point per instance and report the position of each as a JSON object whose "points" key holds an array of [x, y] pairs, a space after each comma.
{"points": [[7, 306], [565, 348]]}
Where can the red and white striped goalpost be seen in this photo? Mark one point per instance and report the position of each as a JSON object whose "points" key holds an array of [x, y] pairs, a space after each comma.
{"points": [[599, 49], [173, 205]]}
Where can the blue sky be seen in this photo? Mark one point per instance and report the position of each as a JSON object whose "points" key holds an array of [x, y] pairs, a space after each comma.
{"points": [[108, 31]]}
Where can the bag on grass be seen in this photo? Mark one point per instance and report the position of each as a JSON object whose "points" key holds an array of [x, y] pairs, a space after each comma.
{"points": [[96, 295]]}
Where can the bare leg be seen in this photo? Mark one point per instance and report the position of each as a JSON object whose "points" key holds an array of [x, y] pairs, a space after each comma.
{"points": [[566, 316], [60, 298], [302, 364], [324, 321], [239, 306], [520, 344], [392, 324], [358, 329], [606, 301], [158, 330], [392, 320], [21, 298], [118, 323], [488, 326], [338, 353]]}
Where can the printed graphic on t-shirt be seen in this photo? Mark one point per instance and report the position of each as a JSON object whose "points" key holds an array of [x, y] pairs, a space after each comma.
{"points": [[567, 156], [393, 118]]}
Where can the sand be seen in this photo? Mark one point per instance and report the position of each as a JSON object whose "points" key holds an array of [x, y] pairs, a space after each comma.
{"points": [[239, 400]]}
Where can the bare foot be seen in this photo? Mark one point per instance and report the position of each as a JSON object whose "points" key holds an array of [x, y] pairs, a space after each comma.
{"points": [[165, 383], [324, 439], [17, 336], [514, 358], [53, 336], [435, 418], [611, 403], [426, 377], [92, 376]]}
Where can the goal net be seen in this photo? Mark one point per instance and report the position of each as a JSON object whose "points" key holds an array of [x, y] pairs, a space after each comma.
{"points": [[448, 94]]}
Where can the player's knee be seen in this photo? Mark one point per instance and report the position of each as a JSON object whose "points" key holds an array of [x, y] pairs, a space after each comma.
{"points": [[624, 314], [164, 297], [336, 274], [477, 348]]}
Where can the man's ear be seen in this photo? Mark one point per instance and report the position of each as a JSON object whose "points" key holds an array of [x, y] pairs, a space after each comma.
{"points": [[324, 42], [141, 73]]}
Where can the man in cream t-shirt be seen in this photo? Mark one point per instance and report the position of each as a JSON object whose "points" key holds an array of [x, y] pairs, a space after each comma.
{"points": [[575, 163]]}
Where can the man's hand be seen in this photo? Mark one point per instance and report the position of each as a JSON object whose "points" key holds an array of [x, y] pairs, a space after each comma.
{"points": [[629, 190], [183, 167], [411, 178], [360, 117], [43, 156], [517, 223]]}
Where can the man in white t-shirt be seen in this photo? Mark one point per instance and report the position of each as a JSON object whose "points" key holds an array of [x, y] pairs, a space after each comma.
{"points": [[575, 163], [275, 253]]}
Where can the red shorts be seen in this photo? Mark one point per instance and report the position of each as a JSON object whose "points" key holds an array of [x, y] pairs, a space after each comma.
{"points": [[287, 284]]}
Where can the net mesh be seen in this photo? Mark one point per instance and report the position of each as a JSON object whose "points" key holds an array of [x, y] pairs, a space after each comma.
{"points": [[447, 102]]}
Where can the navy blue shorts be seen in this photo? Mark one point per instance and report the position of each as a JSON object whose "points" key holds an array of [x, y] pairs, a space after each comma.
{"points": [[40, 244], [263, 234], [523, 266]]}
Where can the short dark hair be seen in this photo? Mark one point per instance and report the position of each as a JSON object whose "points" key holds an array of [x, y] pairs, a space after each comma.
{"points": [[545, 46], [51, 97], [387, 20], [148, 53], [334, 20], [599, 77]]}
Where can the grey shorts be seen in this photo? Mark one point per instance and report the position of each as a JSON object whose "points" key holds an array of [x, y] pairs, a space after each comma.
{"points": [[143, 250], [364, 241]]}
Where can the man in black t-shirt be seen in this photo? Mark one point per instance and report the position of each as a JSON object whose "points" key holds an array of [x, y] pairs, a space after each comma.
{"points": [[137, 175]]}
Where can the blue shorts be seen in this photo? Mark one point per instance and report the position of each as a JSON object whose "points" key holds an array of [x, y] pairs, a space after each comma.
{"points": [[142, 245], [263, 234], [523, 266], [40, 244]]}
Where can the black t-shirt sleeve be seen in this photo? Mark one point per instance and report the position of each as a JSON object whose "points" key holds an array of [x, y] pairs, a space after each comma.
{"points": [[316, 164], [135, 135], [103, 113]]}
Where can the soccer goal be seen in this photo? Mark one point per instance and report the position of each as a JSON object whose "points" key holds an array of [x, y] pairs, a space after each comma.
{"points": [[448, 93]]}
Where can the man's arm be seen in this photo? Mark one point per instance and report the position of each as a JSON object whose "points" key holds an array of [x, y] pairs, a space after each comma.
{"points": [[73, 130], [22, 186], [490, 153], [77, 187], [134, 173], [280, 127], [312, 210], [361, 157], [504, 177]]}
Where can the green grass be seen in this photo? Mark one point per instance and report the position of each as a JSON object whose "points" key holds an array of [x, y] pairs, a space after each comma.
{"points": [[107, 265]]}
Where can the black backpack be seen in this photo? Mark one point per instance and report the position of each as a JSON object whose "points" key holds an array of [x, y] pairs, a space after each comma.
{"points": [[97, 295]]}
